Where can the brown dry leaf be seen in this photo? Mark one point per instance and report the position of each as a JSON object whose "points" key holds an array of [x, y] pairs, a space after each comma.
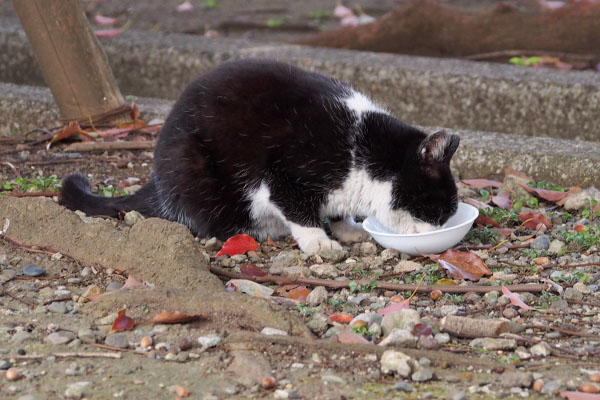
{"points": [[518, 175], [72, 128], [550, 195], [574, 190], [174, 317], [463, 265], [122, 322]]}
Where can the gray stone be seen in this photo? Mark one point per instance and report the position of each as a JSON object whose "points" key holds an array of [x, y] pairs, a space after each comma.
{"points": [[114, 286], [407, 266], [552, 387], [27, 397], [442, 338], [33, 270], [399, 337], [86, 335], [491, 297], [403, 387], [317, 296], [331, 378], [581, 200], [58, 307], [60, 337], [272, 331], [422, 375], [319, 324], [573, 294], [5, 364], [209, 341], [397, 363], [132, 217], [389, 254], [582, 288], [287, 258], [460, 396], [541, 242], [403, 319], [369, 318], [77, 390], [368, 249], [332, 255], [494, 344], [555, 246], [117, 340], [21, 336], [375, 330], [213, 244], [324, 270], [541, 349], [559, 304], [516, 379]]}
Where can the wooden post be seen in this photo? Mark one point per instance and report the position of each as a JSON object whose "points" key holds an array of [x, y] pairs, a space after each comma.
{"points": [[72, 61]]}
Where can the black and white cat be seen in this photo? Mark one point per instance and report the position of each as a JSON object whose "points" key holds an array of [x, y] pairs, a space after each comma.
{"points": [[265, 148]]}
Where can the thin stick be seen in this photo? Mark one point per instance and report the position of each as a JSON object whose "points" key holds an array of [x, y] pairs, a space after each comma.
{"points": [[513, 53], [58, 300], [382, 285], [584, 303], [589, 264], [68, 355], [104, 146], [562, 330], [12, 296], [52, 162], [11, 166], [107, 347], [31, 194]]}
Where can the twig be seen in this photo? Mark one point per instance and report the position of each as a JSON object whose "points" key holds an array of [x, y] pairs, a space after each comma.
{"points": [[491, 246], [11, 166], [381, 285], [58, 300], [107, 347], [17, 298], [518, 53], [52, 162], [31, 194], [584, 303], [562, 330], [103, 146], [68, 355], [40, 249], [589, 264]]}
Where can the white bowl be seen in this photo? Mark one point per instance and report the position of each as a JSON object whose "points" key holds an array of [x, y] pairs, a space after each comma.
{"points": [[427, 242]]}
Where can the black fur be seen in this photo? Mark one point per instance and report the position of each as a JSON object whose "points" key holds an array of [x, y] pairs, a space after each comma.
{"points": [[253, 121]]}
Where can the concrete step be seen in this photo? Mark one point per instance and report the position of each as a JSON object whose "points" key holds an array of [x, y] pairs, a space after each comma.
{"points": [[565, 162], [426, 91]]}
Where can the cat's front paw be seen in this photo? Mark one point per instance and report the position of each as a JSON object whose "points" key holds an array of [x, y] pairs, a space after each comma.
{"points": [[317, 245], [349, 231]]}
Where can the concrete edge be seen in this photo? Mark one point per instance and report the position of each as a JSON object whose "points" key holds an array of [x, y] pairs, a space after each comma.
{"points": [[480, 154], [428, 91]]}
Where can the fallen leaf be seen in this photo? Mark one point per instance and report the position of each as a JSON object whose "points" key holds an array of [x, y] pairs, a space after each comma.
{"points": [[422, 330], [251, 270], [573, 191], [514, 299], [122, 322], [463, 265], [174, 317], [534, 219], [271, 243], [501, 200], [299, 293], [186, 6], [580, 396], [477, 204], [106, 21], [131, 282], [347, 336], [483, 220], [579, 228], [404, 304], [71, 129], [238, 244], [505, 232], [518, 175], [550, 195], [340, 318], [248, 287], [108, 32], [445, 282], [481, 183]]}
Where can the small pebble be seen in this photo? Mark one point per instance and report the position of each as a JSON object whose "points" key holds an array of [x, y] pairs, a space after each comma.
{"points": [[58, 307], [422, 375], [403, 387], [510, 313], [33, 270], [589, 387], [12, 374], [146, 342]]}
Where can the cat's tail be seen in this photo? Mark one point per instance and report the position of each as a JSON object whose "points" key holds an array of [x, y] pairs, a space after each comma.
{"points": [[76, 194]]}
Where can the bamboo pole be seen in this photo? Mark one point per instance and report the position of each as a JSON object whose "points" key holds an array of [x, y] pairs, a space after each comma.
{"points": [[72, 61]]}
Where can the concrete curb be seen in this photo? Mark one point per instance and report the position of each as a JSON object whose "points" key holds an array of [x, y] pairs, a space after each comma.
{"points": [[426, 91], [480, 153]]}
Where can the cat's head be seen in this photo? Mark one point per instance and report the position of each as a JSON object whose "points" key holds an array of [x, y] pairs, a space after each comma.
{"points": [[427, 191]]}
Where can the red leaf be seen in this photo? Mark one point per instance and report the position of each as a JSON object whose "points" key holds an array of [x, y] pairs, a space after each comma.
{"points": [[481, 183], [252, 270], [122, 323], [394, 307], [550, 195], [514, 299], [534, 219], [174, 317], [299, 293], [502, 201], [422, 330], [340, 318], [485, 221], [239, 244], [106, 21], [463, 265], [347, 336], [108, 32]]}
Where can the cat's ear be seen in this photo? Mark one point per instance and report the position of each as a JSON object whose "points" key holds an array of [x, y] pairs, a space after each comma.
{"points": [[439, 147]]}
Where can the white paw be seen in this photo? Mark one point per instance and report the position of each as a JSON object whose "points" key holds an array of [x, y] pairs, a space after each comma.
{"points": [[349, 231], [317, 245]]}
